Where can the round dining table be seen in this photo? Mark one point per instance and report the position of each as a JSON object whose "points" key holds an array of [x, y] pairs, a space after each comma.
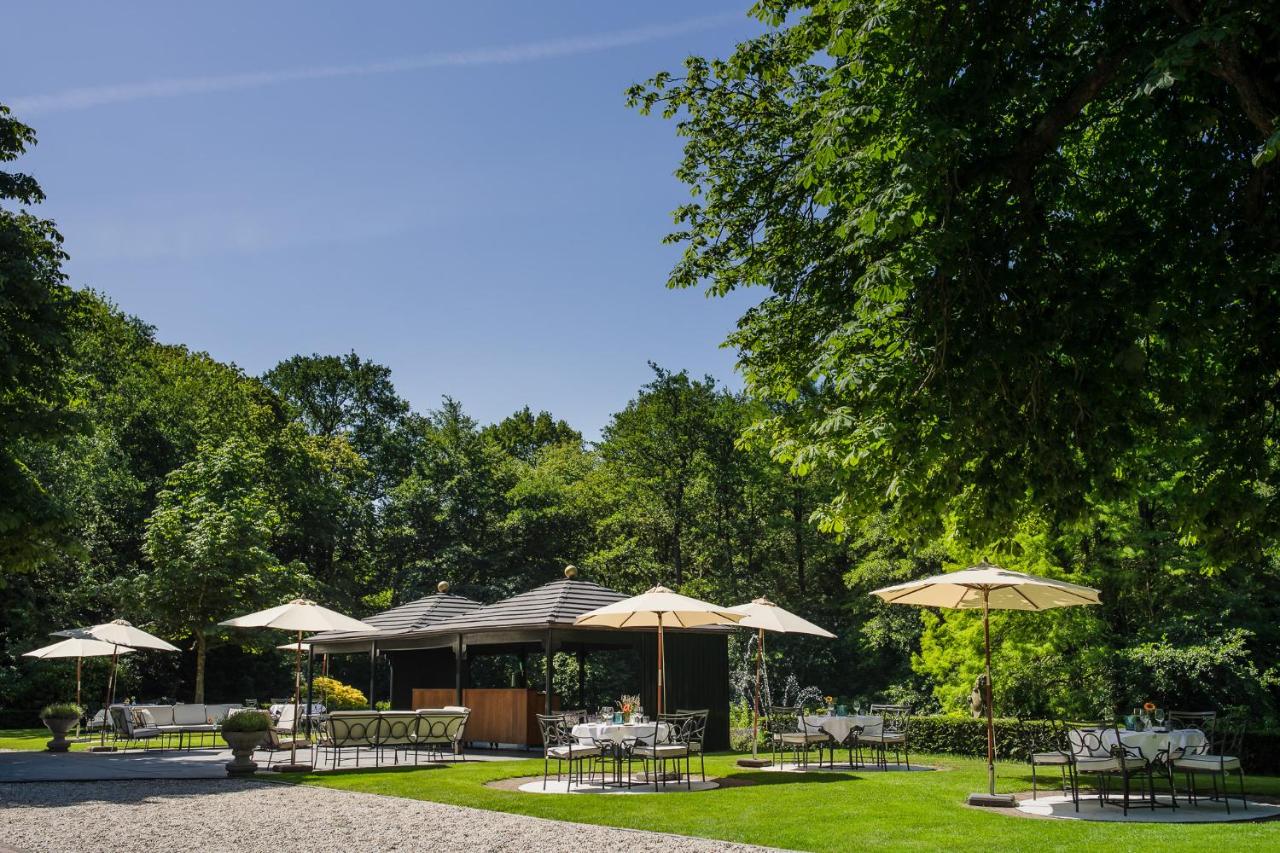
{"points": [[840, 727], [1156, 744], [612, 735]]}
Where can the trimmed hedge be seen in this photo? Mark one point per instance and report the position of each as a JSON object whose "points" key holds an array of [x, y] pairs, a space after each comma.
{"points": [[1017, 739]]}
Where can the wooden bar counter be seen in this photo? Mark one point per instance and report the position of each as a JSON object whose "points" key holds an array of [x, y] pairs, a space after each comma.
{"points": [[498, 714]]}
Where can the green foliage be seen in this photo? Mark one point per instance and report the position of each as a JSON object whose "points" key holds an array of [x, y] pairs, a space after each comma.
{"points": [[1000, 281], [35, 307], [336, 696], [62, 711], [247, 721], [209, 543]]}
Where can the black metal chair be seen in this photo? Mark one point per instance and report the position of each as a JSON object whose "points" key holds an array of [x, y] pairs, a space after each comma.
{"points": [[660, 750], [787, 730], [1218, 757], [559, 744], [1058, 756], [894, 728], [698, 736], [1092, 755]]}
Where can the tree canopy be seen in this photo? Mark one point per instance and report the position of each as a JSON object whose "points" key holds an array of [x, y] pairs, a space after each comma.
{"points": [[1017, 259]]}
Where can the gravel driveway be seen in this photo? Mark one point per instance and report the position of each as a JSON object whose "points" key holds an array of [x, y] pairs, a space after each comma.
{"points": [[246, 816]]}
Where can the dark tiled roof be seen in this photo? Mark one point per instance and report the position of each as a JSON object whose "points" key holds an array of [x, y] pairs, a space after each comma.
{"points": [[554, 604], [407, 618]]}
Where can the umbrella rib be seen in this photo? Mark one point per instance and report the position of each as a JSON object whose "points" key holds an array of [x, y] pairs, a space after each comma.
{"points": [[905, 593], [963, 592], [1076, 594], [1034, 606]]}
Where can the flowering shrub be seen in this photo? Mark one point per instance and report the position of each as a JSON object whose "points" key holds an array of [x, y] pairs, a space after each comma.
{"points": [[336, 696]]}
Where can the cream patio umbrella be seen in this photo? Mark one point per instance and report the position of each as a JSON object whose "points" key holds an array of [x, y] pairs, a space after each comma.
{"points": [[78, 648], [298, 615], [763, 615], [988, 587], [662, 608], [120, 634]]}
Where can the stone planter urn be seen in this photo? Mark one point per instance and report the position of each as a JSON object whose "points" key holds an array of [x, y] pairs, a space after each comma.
{"points": [[59, 726], [242, 746]]}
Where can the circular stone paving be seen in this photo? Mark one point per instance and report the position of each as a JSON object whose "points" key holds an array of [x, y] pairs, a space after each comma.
{"points": [[534, 785], [813, 767], [1060, 807]]}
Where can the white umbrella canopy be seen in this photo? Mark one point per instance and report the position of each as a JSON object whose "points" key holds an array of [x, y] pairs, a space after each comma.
{"points": [[78, 648], [1000, 589], [659, 607], [295, 647], [75, 647], [986, 586], [767, 616], [298, 615], [763, 615], [122, 633]]}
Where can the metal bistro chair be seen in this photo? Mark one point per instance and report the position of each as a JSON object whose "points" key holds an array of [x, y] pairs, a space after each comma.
{"points": [[895, 722], [1218, 757], [698, 736], [558, 743], [1091, 755], [1058, 756], [673, 747], [787, 730], [281, 737]]}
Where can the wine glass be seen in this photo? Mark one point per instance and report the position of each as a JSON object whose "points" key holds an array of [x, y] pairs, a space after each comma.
{"points": [[1160, 717]]}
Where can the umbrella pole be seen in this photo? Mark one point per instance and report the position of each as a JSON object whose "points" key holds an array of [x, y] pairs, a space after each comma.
{"points": [[106, 705], [991, 723], [755, 716], [297, 678], [78, 660], [662, 669]]}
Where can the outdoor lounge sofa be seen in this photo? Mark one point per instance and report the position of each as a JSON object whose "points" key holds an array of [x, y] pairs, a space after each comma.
{"points": [[149, 723]]}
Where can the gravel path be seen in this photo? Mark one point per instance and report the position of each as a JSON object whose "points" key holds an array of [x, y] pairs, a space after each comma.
{"points": [[246, 816]]}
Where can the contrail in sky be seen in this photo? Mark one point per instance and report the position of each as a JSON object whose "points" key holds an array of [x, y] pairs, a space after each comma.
{"points": [[96, 96]]}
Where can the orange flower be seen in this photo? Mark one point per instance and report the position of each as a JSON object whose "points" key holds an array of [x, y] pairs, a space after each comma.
{"points": [[1148, 706]]}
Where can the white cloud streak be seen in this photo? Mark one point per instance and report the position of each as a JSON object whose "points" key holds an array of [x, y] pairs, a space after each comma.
{"points": [[97, 96]]}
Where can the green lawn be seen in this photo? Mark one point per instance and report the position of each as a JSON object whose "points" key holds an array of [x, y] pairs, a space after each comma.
{"points": [[34, 739], [817, 811]]}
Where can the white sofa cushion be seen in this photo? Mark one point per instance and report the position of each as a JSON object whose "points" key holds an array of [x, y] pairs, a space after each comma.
{"points": [[190, 715]]}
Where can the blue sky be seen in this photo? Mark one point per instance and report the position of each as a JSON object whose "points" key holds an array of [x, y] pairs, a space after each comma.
{"points": [[455, 190]]}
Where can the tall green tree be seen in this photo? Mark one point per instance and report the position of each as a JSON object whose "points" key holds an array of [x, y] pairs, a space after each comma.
{"points": [[35, 305], [1019, 256], [350, 396], [209, 545]]}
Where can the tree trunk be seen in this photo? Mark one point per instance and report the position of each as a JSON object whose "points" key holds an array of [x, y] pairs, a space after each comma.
{"points": [[200, 652], [797, 527]]}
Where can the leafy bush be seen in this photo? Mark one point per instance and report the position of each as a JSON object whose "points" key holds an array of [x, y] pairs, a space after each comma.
{"points": [[1016, 739], [247, 721], [62, 711], [337, 696]]}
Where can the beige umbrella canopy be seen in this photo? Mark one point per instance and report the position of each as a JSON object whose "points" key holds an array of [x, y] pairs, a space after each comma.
{"points": [[659, 607], [78, 648], [986, 586], [120, 634], [298, 615], [763, 615]]}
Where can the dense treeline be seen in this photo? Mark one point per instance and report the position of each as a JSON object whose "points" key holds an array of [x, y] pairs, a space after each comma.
{"points": [[1019, 292]]}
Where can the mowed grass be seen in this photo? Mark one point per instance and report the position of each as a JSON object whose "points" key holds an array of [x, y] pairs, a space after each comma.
{"points": [[848, 810], [35, 739]]}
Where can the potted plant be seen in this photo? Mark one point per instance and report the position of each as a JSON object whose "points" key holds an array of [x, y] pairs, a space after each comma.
{"points": [[243, 731], [60, 718]]}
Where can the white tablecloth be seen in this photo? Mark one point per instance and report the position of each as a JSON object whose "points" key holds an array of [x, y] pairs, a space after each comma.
{"points": [[839, 727], [617, 732], [1153, 744]]}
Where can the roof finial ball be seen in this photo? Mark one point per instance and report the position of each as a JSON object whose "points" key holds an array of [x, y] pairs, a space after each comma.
{"points": [[571, 572], [442, 587]]}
